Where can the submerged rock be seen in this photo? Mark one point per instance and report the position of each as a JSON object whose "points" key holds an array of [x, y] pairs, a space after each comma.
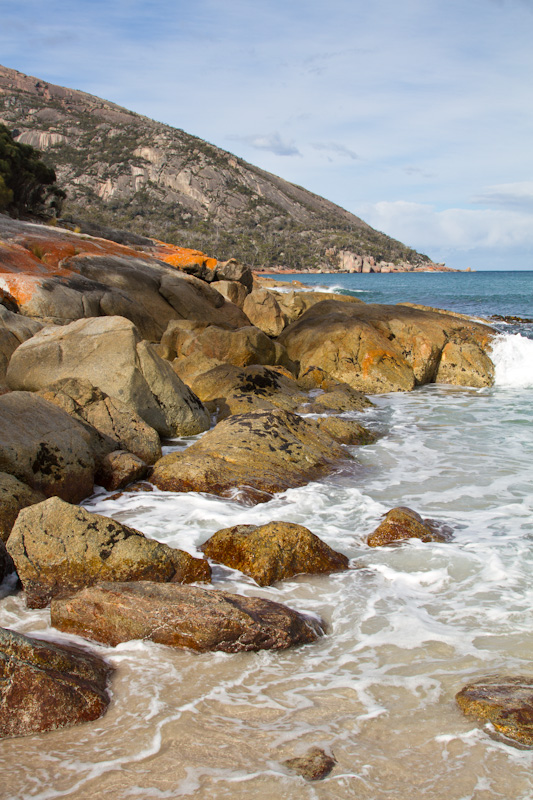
{"points": [[181, 616], [504, 700], [261, 452], [313, 766], [59, 548], [273, 552], [404, 523], [44, 686]]}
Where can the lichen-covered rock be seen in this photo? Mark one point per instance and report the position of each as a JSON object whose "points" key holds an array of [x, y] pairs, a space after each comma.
{"points": [[338, 397], [230, 390], [108, 352], [346, 431], [313, 766], [404, 523], [273, 552], [45, 686], [181, 616], [14, 495], [59, 548], [504, 700], [118, 422], [378, 348], [44, 447], [257, 453]]}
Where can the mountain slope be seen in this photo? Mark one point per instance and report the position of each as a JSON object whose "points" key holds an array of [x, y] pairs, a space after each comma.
{"points": [[125, 170]]}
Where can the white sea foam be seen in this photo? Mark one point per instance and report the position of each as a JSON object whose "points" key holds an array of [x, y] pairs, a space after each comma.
{"points": [[512, 355]]}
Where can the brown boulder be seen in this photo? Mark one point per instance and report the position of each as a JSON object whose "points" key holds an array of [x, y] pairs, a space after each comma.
{"points": [[59, 548], [119, 424], [273, 552], [44, 447], [192, 298], [403, 523], [313, 766], [257, 453], [241, 347], [338, 397], [504, 700], [108, 352], [377, 348], [14, 495], [6, 562], [235, 272], [234, 291], [181, 616], [263, 310], [118, 469], [45, 686], [295, 303]]}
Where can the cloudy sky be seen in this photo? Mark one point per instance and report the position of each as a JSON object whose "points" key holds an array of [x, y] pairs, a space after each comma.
{"points": [[417, 116]]}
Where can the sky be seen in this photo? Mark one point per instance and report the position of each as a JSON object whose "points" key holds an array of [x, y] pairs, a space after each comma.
{"points": [[417, 115]]}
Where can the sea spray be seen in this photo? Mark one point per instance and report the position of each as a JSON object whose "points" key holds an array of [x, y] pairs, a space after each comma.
{"points": [[512, 355]]}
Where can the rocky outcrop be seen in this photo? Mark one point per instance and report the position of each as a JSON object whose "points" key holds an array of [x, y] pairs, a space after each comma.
{"points": [[45, 686], [504, 700], [313, 766], [338, 397], [273, 552], [385, 348], [404, 523], [116, 361], [295, 303], [251, 456], [117, 422], [181, 616], [45, 448], [14, 496], [464, 363], [59, 548]]}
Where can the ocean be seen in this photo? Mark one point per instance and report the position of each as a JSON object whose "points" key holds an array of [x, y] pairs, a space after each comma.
{"points": [[407, 626]]}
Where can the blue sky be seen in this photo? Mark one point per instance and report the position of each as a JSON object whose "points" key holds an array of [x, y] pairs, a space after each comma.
{"points": [[417, 116]]}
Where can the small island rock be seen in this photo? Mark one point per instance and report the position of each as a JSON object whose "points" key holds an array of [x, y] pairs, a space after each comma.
{"points": [[505, 701]]}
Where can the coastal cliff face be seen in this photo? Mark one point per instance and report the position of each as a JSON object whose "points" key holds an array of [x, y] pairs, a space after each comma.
{"points": [[128, 171]]}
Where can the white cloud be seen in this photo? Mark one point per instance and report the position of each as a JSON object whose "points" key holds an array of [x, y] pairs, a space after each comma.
{"points": [[272, 142], [334, 150], [515, 195], [423, 227]]}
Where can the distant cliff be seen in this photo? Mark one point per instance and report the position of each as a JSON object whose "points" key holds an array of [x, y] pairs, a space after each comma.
{"points": [[126, 171]]}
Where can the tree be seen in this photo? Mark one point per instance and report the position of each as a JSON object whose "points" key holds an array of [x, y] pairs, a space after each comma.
{"points": [[27, 185]]}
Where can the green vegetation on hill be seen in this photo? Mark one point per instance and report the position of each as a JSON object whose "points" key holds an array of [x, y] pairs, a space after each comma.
{"points": [[27, 184], [125, 171]]}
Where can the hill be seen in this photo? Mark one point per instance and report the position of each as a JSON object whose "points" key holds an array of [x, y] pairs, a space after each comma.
{"points": [[124, 170]]}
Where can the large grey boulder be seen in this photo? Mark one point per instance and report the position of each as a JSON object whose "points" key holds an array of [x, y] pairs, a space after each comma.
{"points": [[14, 329], [59, 548], [45, 686], [108, 352], [45, 448], [181, 616]]}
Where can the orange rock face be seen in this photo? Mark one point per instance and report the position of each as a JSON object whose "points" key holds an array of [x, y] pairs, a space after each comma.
{"points": [[182, 257]]}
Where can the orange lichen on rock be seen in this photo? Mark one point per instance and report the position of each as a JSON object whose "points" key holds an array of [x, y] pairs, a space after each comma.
{"points": [[182, 256]]}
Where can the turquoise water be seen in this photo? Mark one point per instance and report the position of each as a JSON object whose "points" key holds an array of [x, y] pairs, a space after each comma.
{"points": [[477, 293], [407, 626]]}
